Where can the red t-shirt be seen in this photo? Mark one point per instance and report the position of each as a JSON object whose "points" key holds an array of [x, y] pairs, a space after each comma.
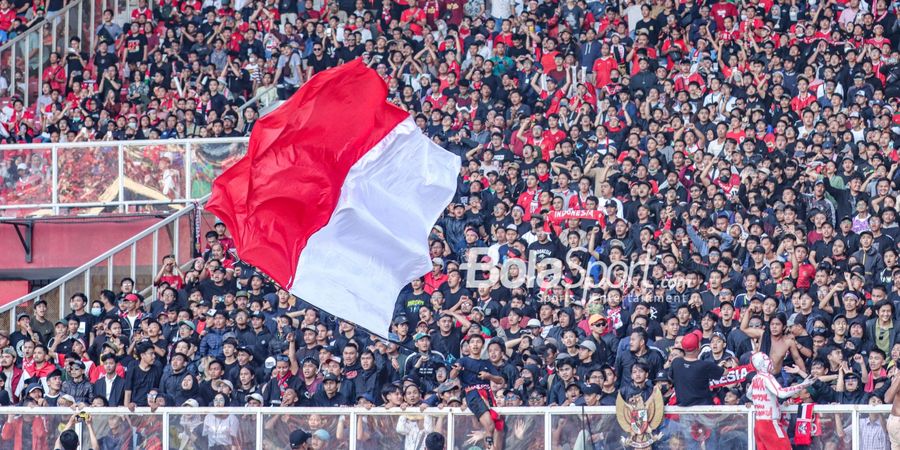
{"points": [[6, 19]]}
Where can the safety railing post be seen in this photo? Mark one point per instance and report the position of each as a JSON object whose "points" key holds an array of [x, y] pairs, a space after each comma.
{"points": [[87, 283], [26, 76], [751, 445], [110, 271], [121, 197], [188, 170], [154, 265], [353, 430], [854, 429], [548, 430], [134, 250], [176, 239], [165, 430], [451, 428], [259, 429], [54, 185]]}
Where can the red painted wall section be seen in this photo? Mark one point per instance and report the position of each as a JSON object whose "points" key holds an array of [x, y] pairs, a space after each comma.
{"points": [[71, 244], [11, 290]]}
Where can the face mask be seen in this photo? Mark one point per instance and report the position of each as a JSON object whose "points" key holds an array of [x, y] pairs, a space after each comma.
{"points": [[96, 311]]}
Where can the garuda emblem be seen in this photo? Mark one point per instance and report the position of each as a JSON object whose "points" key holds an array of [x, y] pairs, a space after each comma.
{"points": [[640, 418]]}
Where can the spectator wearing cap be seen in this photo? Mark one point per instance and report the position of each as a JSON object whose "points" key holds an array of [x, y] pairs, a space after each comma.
{"points": [[214, 337], [436, 278], [347, 332], [299, 440], [587, 363], [215, 286], [691, 375], [131, 314], [258, 337], [77, 384], [328, 394], [716, 351], [23, 331], [423, 364], [447, 339], [283, 378]]}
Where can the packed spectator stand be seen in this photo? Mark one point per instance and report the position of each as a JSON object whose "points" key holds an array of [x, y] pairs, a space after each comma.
{"points": [[738, 159]]}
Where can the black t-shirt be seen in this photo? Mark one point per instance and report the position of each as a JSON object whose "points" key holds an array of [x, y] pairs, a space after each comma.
{"points": [[691, 381], [139, 382], [210, 290], [134, 47], [104, 61], [73, 64], [448, 346], [319, 65]]}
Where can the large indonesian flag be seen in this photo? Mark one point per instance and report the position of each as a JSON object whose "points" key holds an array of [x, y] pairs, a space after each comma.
{"points": [[336, 196]]}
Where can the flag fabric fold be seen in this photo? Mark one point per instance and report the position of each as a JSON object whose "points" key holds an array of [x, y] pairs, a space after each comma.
{"points": [[336, 196]]}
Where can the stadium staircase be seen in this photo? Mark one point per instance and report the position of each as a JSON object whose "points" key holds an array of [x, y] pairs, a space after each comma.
{"points": [[24, 57], [138, 258]]}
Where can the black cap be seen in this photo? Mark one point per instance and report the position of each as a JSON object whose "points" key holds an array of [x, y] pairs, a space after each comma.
{"points": [[589, 389], [330, 377], [245, 349], [299, 437]]}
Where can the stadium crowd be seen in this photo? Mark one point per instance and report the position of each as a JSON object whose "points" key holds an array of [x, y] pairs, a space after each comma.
{"points": [[736, 160]]}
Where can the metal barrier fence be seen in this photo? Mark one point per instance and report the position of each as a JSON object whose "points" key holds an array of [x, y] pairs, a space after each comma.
{"points": [[96, 177], [570, 428], [24, 57]]}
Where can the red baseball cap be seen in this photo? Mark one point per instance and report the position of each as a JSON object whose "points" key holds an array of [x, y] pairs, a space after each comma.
{"points": [[691, 341]]}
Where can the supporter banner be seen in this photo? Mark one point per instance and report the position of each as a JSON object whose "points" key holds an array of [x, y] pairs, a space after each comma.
{"points": [[559, 216], [732, 376]]}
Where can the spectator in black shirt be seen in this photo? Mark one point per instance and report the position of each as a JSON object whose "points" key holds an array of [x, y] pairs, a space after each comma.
{"points": [[142, 376], [691, 376]]}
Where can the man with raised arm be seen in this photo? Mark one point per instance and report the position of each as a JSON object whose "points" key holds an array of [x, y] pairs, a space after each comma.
{"points": [[765, 392], [475, 375]]}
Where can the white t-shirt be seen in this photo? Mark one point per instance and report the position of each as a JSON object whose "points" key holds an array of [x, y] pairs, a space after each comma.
{"points": [[501, 9]]}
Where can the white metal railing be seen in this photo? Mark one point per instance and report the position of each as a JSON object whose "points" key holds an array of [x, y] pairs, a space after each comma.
{"points": [[137, 258], [556, 427], [26, 55], [124, 176], [260, 99]]}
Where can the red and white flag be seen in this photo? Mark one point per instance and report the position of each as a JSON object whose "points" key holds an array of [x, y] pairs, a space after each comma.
{"points": [[336, 196]]}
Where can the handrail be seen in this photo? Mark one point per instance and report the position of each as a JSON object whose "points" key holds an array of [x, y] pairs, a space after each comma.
{"points": [[26, 55], [92, 144], [256, 97], [37, 26], [105, 256]]}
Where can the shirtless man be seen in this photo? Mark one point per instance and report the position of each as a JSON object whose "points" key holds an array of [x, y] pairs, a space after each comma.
{"points": [[893, 422], [775, 341], [765, 392]]}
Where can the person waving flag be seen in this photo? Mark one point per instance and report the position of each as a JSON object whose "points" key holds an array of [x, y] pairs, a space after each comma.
{"points": [[336, 196]]}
